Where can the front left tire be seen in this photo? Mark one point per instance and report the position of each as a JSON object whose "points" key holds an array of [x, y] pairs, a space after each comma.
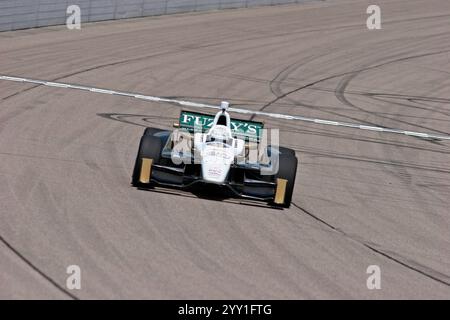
{"points": [[149, 148]]}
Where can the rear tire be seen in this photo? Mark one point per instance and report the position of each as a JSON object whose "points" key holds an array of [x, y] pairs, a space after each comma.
{"points": [[149, 147], [287, 170]]}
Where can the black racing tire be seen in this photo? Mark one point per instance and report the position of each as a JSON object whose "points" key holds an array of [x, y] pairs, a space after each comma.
{"points": [[286, 151], [151, 131], [163, 135], [149, 147], [287, 169]]}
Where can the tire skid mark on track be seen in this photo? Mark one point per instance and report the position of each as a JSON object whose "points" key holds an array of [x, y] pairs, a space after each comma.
{"points": [[351, 75], [344, 83], [431, 274], [37, 270]]}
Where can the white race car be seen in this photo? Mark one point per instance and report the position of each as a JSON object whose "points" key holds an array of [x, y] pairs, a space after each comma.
{"points": [[216, 150]]}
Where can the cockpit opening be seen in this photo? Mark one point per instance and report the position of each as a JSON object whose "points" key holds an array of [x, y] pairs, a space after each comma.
{"points": [[222, 120]]}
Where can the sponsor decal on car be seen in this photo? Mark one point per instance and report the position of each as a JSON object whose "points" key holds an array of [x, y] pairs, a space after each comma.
{"points": [[215, 172], [250, 129]]}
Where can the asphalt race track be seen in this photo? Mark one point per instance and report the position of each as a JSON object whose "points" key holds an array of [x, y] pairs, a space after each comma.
{"points": [[361, 198]]}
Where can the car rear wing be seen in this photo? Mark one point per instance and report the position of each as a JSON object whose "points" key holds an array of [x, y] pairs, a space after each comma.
{"points": [[243, 129]]}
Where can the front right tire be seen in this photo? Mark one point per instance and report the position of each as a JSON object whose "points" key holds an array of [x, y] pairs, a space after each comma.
{"points": [[287, 170]]}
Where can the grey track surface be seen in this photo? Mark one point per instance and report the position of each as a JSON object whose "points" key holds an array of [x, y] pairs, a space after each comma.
{"points": [[361, 198]]}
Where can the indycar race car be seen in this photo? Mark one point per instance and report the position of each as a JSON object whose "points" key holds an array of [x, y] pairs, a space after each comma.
{"points": [[207, 150]]}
